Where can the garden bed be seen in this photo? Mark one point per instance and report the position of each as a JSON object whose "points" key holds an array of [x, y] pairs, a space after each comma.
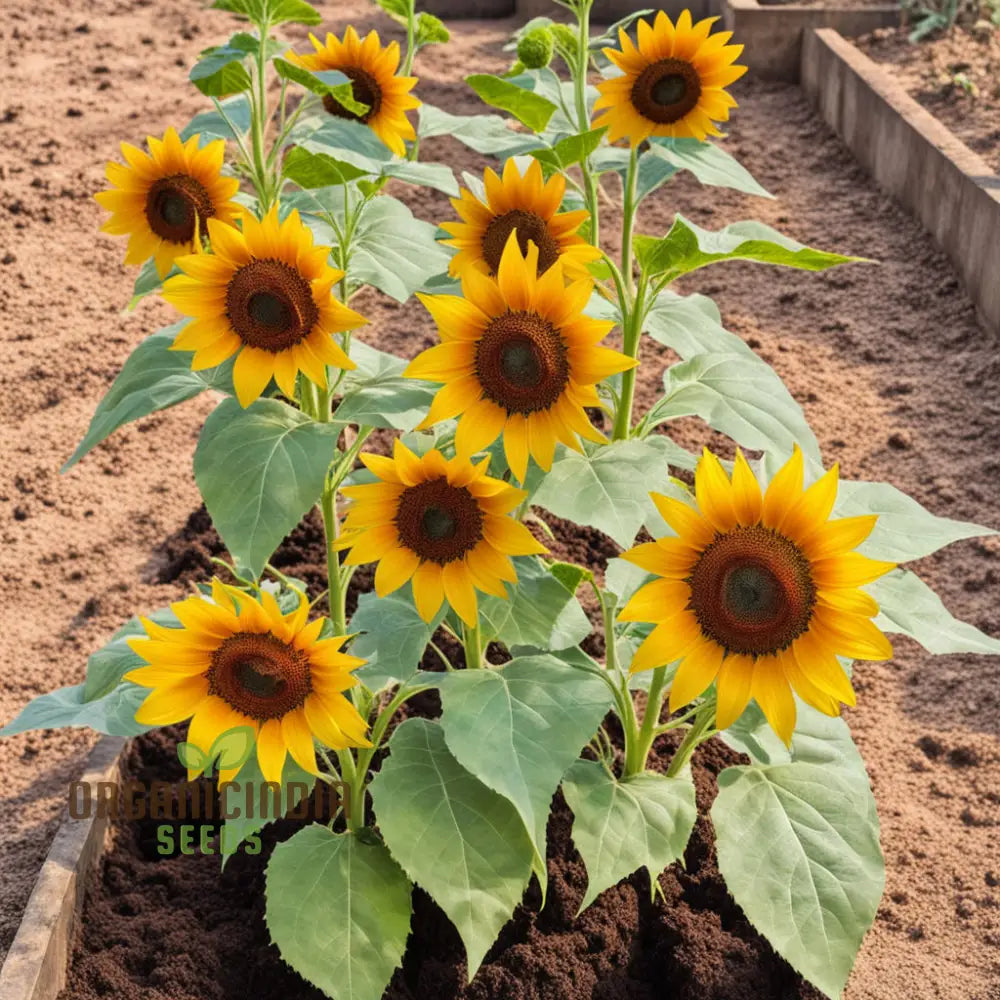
{"points": [[861, 349], [955, 75]]}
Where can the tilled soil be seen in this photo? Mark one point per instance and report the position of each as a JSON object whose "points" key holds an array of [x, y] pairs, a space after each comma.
{"points": [[896, 377], [955, 75]]}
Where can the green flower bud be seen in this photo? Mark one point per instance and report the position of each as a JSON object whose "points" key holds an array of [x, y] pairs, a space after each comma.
{"points": [[566, 40], [535, 48]]}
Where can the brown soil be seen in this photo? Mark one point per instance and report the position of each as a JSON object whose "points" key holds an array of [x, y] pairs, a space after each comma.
{"points": [[955, 76], [894, 374]]}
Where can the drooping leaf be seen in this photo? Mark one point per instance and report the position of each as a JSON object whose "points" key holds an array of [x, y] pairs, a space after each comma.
{"points": [[709, 162], [281, 11], [112, 713], [905, 530], [259, 470], [608, 490], [527, 107], [214, 125], [317, 873], [798, 847], [910, 607], [316, 170], [489, 135], [152, 378], [688, 247], [690, 325], [519, 728], [570, 150], [327, 83], [455, 837], [220, 72], [622, 825]]}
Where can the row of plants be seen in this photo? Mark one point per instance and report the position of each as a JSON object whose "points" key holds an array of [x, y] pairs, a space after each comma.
{"points": [[737, 606]]}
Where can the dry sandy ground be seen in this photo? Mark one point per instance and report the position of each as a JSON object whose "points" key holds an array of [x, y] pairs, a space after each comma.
{"points": [[894, 374]]}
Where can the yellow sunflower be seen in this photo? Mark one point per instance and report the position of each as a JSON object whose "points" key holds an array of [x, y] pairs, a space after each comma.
{"points": [[162, 201], [519, 358], [673, 84], [440, 522], [759, 593], [267, 293], [527, 204], [238, 661], [372, 72]]}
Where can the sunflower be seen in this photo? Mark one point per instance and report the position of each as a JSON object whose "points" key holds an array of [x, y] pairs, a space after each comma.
{"points": [[440, 522], [266, 292], [238, 661], [372, 72], [673, 84], [163, 201], [525, 203], [759, 593], [519, 358]]}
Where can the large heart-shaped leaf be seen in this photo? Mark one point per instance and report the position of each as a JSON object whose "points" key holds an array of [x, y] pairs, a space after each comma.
{"points": [[338, 908], [376, 393], [259, 470]]}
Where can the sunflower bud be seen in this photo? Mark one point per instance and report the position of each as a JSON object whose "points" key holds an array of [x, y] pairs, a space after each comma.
{"points": [[566, 42], [535, 49]]}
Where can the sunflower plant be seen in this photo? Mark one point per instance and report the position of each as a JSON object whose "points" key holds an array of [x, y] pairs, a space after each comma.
{"points": [[748, 582]]}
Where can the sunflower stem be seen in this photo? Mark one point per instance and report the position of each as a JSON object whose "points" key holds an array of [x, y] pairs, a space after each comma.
{"points": [[695, 735], [628, 218], [335, 582], [583, 118], [633, 319], [354, 813], [637, 749], [473, 642]]}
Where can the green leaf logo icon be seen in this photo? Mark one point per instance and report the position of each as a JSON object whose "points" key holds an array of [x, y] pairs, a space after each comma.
{"points": [[193, 757], [233, 748]]}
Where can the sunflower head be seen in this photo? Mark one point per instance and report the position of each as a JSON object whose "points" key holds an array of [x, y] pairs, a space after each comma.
{"points": [[238, 660], [442, 523], [372, 72], [162, 201], [519, 358], [672, 84], [759, 592], [267, 293], [527, 204]]}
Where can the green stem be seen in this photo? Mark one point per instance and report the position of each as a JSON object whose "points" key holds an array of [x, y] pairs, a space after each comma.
{"points": [[473, 642], [628, 220], [411, 33], [631, 334], [354, 814], [695, 735], [637, 748], [335, 582], [583, 119], [264, 193]]}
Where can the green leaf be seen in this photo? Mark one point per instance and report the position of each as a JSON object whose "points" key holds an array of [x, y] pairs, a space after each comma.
{"points": [[527, 107], [296, 785], [315, 170], [455, 837], [402, 10], [905, 530], [220, 72], [570, 150], [489, 135], [907, 605], [112, 713], [653, 171], [798, 848], [393, 638], [147, 281], [394, 251], [740, 395], [233, 748], [326, 83], [338, 908], [690, 325], [376, 394], [708, 162], [193, 757], [542, 612], [620, 826], [608, 490], [152, 378], [280, 11], [519, 728], [213, 124], [107, 666], [688, 247], [430, 30], [259, 470]]}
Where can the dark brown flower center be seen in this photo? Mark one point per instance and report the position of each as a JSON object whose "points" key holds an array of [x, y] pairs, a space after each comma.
{"points": [[752, 591], [174, 204], [438, 521], [529, 226], [521, 362], [270, 305], [665, 91], [365, 90], [259, 675]]}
